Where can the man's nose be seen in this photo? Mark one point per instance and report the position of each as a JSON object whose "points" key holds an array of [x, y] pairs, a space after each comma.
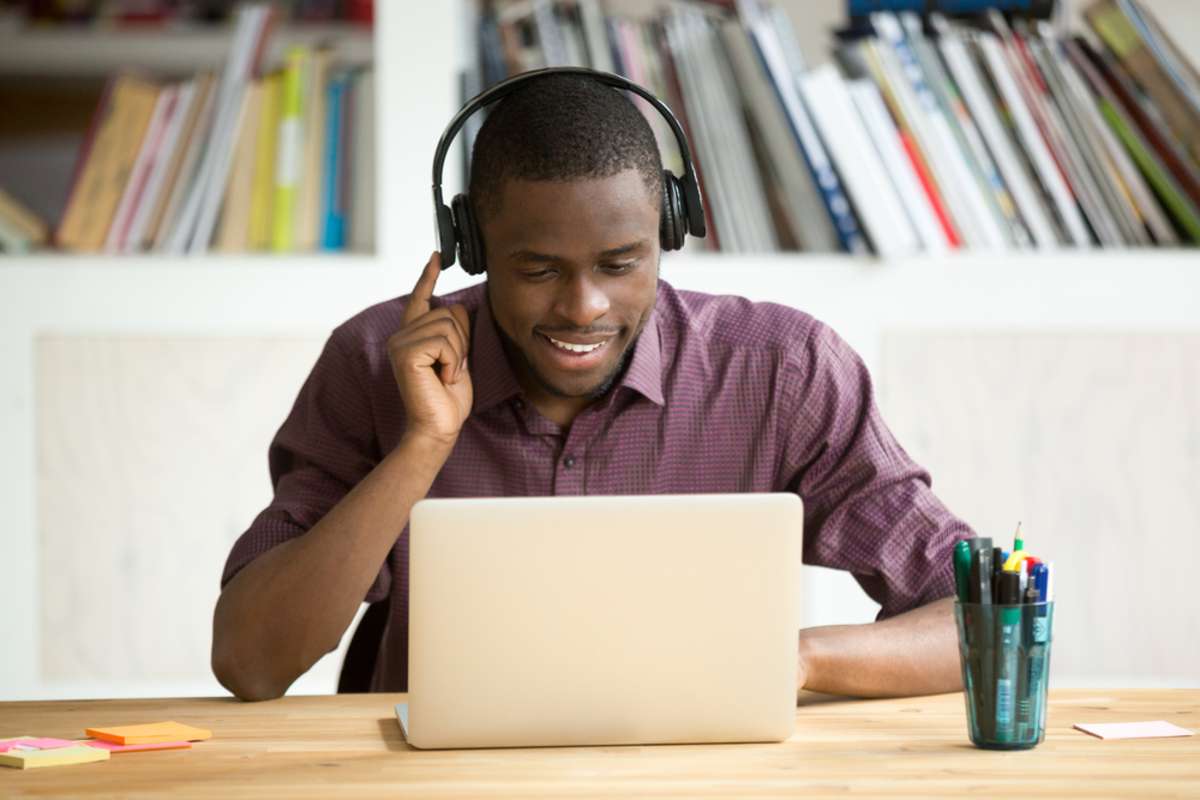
{"points": [[582, 302]]}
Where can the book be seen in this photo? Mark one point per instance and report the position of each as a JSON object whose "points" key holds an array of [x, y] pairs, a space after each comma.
{"points": [[966, 133], [785, 67], [181, 172], [1123, 38], [802, 203], [308, 218], [333, 196], [1149, 211], [233, 234], [289, 162], [24, 224], [157, 185], [124, 115], [879, 208], [899, 166], [265, 155], [253, 28], [1009, 162], [1031, 139], [362, 155], [139, 174]]}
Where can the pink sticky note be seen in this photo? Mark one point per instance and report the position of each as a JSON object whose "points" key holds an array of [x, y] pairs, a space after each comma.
{"points": [[31, 743], [133, 748], [1133, 730]]}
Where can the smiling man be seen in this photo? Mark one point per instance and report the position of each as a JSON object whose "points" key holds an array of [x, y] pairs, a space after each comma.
{"points": [[573, 369]]}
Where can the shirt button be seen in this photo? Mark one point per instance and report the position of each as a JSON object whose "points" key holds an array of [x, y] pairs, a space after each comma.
{"points": [[569, 462]]}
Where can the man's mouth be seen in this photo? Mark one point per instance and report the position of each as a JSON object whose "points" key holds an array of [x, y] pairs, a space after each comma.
{"points": [[576, 352], [577, 347]]}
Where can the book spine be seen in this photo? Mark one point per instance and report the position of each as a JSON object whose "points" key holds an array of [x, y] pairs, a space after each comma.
{"points": [[290, 156]]}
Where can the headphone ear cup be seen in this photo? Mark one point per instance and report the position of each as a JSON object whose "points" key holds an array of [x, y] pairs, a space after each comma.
{"points": [[447, 240], [673, 221], [470, 245]]}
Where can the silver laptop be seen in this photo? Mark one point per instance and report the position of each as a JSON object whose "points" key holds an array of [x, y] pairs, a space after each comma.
{"points": [[603, 620]]}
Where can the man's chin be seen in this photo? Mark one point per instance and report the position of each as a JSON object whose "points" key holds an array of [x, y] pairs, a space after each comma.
{"points": [[577, 387]]}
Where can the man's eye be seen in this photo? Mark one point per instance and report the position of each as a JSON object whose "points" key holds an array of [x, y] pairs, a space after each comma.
{"points": [[538, 274], [619, 269]]}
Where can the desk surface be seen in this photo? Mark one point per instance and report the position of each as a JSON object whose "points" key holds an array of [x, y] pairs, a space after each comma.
{"points": [[351, 746]]}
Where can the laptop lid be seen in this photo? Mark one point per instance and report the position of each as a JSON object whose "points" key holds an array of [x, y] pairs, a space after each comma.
{"points": [[603, 620]]}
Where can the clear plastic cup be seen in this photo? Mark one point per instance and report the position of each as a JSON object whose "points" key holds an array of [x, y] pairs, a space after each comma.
{"points": [[1004, 651]]}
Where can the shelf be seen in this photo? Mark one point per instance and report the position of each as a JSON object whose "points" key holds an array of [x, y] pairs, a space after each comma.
{"points": [[100, 52], [1102, 290]]}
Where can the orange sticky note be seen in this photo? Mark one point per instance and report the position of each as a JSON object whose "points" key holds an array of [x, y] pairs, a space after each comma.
{"points": [[152, 733], [113, 747]]}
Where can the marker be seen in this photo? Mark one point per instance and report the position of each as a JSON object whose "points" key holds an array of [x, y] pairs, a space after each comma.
{"points": [[1026, 679], [1009, 655], [962, 570], [999, 556]]}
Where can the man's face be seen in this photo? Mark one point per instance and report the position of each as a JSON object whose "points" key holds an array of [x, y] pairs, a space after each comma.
{"points": [[572, 270]]}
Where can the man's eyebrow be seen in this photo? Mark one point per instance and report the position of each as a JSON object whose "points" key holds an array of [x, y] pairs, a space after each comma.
{"points": [[623, 249], [532, 256]]}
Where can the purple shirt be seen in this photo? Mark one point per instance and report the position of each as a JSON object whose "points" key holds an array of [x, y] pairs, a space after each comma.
{"points": [[720, 395]]}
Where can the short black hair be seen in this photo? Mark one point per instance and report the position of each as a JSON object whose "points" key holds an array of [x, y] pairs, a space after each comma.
{"points": [[560, 128]]}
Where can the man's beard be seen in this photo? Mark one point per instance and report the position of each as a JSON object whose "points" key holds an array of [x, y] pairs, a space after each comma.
{"points": [[516, 356]]}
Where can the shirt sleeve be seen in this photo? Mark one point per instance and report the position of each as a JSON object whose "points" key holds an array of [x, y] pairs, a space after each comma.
{"points": [[324, 448], [869, 508]]}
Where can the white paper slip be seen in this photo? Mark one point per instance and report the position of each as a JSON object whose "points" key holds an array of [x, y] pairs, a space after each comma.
{"points": [[1133, 730]]}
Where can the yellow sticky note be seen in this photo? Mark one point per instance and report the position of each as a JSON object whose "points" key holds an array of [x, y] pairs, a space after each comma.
{"points": [[56, 757], [151, 733]]}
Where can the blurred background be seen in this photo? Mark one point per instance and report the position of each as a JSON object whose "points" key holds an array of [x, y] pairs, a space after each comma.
{"points": [[999, 213]]}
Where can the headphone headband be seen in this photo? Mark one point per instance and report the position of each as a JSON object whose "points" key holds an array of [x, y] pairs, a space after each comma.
{"points": [[690, 186]]}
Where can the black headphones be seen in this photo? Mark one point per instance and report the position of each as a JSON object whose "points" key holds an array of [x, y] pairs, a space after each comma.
{"points": [[682, 210]]}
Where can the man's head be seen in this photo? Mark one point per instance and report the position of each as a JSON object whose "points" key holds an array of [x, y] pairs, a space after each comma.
{"points": [[566, 187]]}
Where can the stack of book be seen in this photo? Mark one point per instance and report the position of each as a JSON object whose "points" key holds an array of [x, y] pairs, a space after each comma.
{"points": [[250, 160], [927, 134]]}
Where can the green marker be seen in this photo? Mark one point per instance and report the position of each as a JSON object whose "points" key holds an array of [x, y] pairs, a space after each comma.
{"points": [[962, 569]]}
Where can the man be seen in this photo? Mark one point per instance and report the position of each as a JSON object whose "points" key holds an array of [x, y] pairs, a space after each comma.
{"points": [[574, 370]]}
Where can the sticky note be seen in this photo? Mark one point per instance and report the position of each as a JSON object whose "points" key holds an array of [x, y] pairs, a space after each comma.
{"points": [[53, 757], [1133, 730], [32, 743], [113, 747], [153, 733]]}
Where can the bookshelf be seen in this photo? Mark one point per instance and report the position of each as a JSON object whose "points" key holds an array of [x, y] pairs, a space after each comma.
{"points": [[83, 52], [415, 51]]}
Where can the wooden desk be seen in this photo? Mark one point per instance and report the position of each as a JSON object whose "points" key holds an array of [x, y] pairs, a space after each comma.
{"points": [[351, 746]]}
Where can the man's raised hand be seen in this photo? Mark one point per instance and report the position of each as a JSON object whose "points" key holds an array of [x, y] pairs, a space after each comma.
{"points": [[429, 360]]}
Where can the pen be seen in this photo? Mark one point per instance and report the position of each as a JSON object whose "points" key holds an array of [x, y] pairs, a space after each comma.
{"points": [[1039, 581], [1027, 677], [1008, 656]]}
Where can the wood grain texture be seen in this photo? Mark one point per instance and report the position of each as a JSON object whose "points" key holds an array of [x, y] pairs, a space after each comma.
{"points": [[1092, 441], [351, 746]]}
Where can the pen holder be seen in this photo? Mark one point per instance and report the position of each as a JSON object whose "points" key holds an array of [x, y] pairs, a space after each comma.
{"points": [[1004, 651]]}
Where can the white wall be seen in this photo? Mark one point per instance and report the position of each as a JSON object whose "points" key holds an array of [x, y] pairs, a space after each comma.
{"points": [[116, 524]]}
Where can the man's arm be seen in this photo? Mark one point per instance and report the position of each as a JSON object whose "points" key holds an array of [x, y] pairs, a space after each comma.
{"points": [[291, 605], [909, 654]]}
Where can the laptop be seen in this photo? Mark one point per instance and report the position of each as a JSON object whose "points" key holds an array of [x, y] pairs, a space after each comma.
{"points": [[612, 620]]}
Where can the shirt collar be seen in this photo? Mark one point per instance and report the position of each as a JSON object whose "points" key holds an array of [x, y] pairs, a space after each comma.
{"points": [[493, 381]]}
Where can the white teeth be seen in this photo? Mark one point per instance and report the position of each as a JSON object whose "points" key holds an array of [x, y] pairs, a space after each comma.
{"points": [[575, 348]]}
